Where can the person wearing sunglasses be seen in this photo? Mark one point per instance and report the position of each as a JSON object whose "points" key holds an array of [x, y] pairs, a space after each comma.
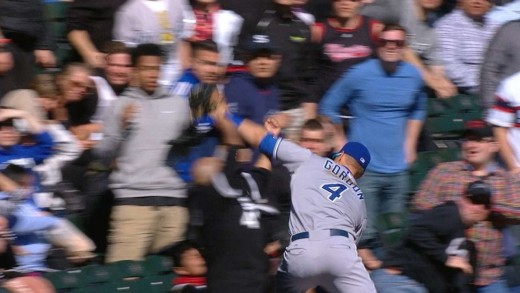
{"points": [[385, 97]]}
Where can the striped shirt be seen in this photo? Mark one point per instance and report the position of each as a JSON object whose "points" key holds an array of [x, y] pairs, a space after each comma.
{"points": [[506, 112], [447, 181], [462, 43]]}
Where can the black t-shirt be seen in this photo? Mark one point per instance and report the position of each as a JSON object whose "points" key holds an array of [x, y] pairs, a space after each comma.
{"points": [[340, 49], [81, 112]]}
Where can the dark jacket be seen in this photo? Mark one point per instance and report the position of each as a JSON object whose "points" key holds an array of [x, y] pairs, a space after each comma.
{"points": [[23, 22], [430, 240]]}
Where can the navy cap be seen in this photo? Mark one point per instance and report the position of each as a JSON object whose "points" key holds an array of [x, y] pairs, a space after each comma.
{"points": [[258, 43], [479, 192], [477, 128], [357, 151]]}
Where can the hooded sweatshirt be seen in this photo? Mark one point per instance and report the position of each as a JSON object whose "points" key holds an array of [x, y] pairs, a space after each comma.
{"points": [[141, 149]]}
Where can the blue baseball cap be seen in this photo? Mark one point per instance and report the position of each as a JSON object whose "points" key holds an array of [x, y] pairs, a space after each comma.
{"points": [[357, 151]]}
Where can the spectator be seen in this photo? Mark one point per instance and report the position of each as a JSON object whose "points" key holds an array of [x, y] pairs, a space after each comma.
{"points": [[418, 17], [36, 231], [24, 40], [148, 214], [344, 40], [189, 267], [90, 25], [314, 137], [504, 116], [205, 68], [447, 181], [463, 36], [435, 254], [506, 13], [115, 78], [282, 27], [252, 94], [211, 23], [77, 99], [393, 125], [502, 59], [158, 22], [11, 148], [66, 147]]}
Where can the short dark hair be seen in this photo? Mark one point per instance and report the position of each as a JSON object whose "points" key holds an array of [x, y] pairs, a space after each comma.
{"points": [[206, 45], [179, 249], [148, 49], [312, 124], [115, 47], [393, 27]]}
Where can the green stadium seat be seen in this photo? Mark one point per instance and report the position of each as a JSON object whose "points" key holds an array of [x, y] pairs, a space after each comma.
{"points": [[96, 274], [134, 286], [157, 284], [438, 107], [65, 280], [157, 265], [466, 104], [127, 269], [451, 123]]}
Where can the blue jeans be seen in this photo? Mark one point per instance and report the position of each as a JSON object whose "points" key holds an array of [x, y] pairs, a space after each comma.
{"points": [[389, 283], [499, 286], [384, 193]]}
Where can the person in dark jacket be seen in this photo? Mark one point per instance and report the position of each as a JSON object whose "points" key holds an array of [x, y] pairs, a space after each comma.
{"points": [[24, 40], [435, 256], [296, 73]]}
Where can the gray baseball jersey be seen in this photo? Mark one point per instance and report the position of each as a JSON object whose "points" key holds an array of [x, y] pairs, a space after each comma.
{"points": [[324, 194]]}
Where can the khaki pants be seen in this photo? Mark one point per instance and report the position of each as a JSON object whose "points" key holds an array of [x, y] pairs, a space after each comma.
{"points": [[137, 230]]}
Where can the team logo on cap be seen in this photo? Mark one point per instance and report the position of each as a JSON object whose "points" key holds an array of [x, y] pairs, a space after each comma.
{"points": [[261, 39], [362, 160]]}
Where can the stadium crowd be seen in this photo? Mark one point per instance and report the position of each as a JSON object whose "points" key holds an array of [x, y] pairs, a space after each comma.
{"points": [[107, 154]]}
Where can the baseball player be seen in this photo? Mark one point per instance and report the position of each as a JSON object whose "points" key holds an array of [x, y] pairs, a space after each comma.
{"points": [[328, 214]]}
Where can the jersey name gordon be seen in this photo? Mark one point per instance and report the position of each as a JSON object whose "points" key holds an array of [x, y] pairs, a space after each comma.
{"points": [[337, 171]]}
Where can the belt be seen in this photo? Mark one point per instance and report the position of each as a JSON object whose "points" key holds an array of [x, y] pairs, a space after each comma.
{"points": [[333, 232]]}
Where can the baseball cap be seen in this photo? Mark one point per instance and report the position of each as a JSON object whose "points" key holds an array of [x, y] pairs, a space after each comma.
{"points": [[357, 151], [477, 128], [479, 192], [259, 43]]}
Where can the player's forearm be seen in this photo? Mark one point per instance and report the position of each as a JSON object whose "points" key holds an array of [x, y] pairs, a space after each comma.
{"points": [[251, 132]]}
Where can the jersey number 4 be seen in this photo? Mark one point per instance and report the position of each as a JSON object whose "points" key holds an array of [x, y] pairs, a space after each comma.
{"points": [[335, 190]]}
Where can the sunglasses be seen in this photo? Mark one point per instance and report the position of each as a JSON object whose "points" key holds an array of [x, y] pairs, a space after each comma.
{"points": [[397, 43], [348, 0]]}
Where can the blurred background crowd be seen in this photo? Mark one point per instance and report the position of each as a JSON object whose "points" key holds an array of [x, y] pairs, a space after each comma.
{"points": [[105, 163]]}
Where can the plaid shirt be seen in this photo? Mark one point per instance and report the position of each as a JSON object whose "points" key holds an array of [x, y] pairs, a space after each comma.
{"points": [[447, 181]]}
